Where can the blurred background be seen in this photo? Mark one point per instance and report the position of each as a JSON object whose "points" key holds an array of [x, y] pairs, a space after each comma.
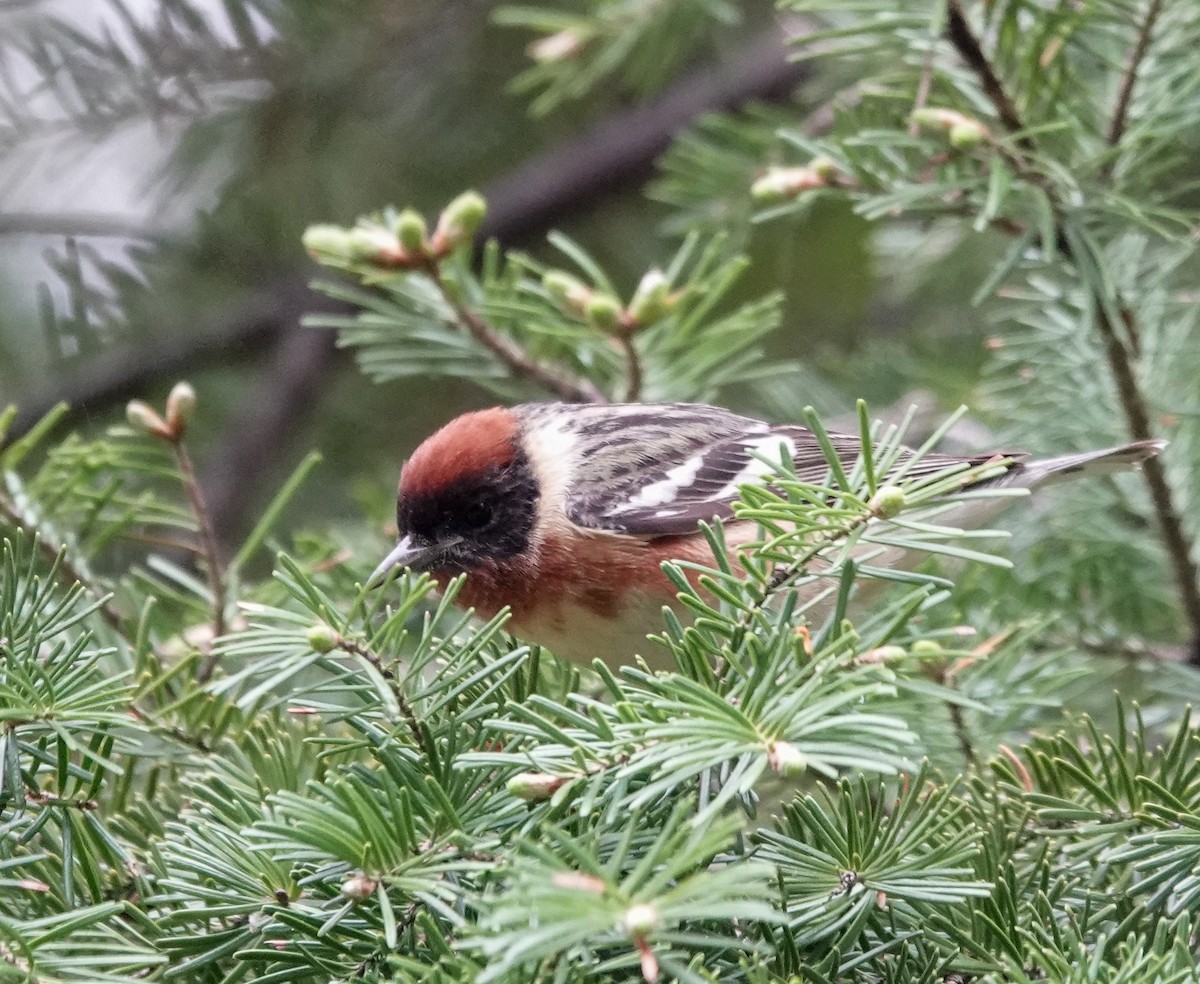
{"points": [[160, 159]]}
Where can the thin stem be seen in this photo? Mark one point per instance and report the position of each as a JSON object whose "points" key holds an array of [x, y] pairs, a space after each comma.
{"points": [[959, 721], [958, 30], [356, 648], [1120, 115], [212, 557], [1120, 356], [562, 384], [1137, 418], [633, 367]]}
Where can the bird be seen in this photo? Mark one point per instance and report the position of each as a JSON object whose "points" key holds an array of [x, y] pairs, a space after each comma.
{"points": [[564, 513]]}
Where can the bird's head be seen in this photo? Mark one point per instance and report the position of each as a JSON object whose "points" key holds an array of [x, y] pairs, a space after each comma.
{"points": [[468, 495]]}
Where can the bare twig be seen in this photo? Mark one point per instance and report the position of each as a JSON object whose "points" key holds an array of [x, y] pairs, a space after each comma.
{"points": [[958, 30], [357, 648], [1120, 355], [571, 388], [1120, 114], [212, 555], [633, 367]]}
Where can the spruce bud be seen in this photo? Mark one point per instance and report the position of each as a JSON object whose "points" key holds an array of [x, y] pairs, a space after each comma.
{"points": [[146, 419], [460, 219], [556, 47], [326, 240], [786, 759], [652, 299], [604, 313], [181, 404], [641, 920], [359, 888], [322, 638], [412, 231], [569, 293], [888, 501], [534, 787]]}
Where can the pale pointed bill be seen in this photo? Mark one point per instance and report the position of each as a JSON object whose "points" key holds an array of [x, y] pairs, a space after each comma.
{"points": [[407, 553]]}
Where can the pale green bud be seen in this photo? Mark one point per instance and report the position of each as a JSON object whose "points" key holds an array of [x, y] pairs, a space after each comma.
{"points": [[146, 419], [556, 47], [888, 501], [604, 313], [782, 183], [322, 638], [652, 299], [372, 244], [181, 405], [968, 134], [412, 231], [568, 292], [534, 787], [460, 220], [327, 240]]}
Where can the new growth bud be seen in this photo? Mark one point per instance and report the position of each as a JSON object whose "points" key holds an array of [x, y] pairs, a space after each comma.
{"points": [[359, 888], [652, 300], [534, 787], [181, 405], [783, 183], [322, 638], [459, 221], [556, 47], [786, 759], [145, 418], [327, 241], [568, 293], [604, 313], [412, 231], [963, 131], [372, 244], [888, 501], [641, 920]]}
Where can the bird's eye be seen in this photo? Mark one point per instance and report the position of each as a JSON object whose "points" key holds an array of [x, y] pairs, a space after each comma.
{"points": [[477, 515]]}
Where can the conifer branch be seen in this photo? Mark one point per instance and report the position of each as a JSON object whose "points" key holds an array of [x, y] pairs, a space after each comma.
{"points": [[958, 30], [633, 367], [67, 573], [572, 389], [212, 554], [1175, 539], [1116, 126], [357, 648]]}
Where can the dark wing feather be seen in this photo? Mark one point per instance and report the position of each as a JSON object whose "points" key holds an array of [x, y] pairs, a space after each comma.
{"points": [[656, 471]]}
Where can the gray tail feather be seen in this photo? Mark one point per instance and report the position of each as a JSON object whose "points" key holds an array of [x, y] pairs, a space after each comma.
{"points": [[1050, 470]]}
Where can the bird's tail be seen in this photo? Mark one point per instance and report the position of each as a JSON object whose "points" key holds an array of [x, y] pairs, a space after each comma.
{"points": [[1050, 470]]}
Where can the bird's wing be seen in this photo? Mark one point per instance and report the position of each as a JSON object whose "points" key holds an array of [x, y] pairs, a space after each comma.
{"points": [[654, 477]]}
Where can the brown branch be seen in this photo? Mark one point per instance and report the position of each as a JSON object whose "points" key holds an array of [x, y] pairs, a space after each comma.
{"points": [[562, 384], [356, 648], [1120, 115], [1170, 524], [1120, 355], [959, 33], [212, 555], [633, 367]]}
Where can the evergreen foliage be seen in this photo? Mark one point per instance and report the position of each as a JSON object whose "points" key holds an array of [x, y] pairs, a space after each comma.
{"points": [[849, 773]]}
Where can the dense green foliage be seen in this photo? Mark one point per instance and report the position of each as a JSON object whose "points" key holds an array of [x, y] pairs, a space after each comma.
{"points": [[212, 775]]}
